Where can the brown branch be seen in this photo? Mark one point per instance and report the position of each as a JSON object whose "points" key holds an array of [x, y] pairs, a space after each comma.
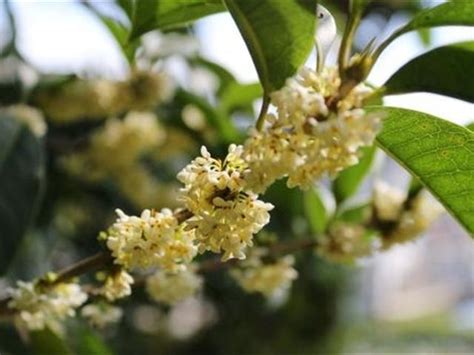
{"points": [[93, 262]]}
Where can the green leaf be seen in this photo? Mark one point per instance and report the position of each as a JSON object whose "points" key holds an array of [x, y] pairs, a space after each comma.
{"points": [[470, 126], [315, 211], [148, 15], [456, 13], [21, 176], [279, 35], [444, 71], [238, 95], [349, 180], [87, 342], [440, 154], [121, 34], [46, 342]]}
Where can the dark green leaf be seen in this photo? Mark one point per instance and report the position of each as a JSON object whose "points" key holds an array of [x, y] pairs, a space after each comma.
{"points": [[315, 211], [279, 35], [348, 181], [21, 174], [440, 154], [240, 95], [456, 13], [87, 342], [148, 15], [444, 71], [46, 342]]}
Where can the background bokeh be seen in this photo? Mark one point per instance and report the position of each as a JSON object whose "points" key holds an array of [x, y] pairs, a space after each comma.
{"points": [[415, 298]]}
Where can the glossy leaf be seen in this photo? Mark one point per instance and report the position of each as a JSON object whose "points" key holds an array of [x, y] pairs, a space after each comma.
{"points": [[147, 15], [349, 180], [21, 176], [279, 35], [445, 70], [455, 13], [315, 211], [440, 154]]}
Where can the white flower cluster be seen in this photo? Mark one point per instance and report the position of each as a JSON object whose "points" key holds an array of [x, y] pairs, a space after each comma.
{"points": [[171, 288], [101, 314], [117, 285], [45, 306], [308, 138], [155, 239], [422, 212], [346, 242], [388, 201], [268, 279], [226, 213], [29, 116], [115, 149], [95, 99]]}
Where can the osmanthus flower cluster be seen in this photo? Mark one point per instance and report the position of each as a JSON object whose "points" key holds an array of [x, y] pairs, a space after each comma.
{"points": [[79, 99], [226, 213], [270, 279], [313, 132], [40, 305], [409, 217], [153, 240], [116, 147], [171, 288], [101, 314]]}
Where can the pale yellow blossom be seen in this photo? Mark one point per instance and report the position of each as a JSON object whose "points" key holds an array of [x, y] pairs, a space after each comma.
{"points": [[307, 138], [226, 214], [117, 285], [268, 279], [101, 314], [45, 306], [345, 243], [29, 116], [155, 239], [171, 288]]}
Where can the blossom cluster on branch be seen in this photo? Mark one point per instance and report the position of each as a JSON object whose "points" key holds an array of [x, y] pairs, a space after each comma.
{"points": [[312, 133]]}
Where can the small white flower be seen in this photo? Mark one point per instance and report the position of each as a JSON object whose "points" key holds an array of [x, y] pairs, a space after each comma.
{"points": [[102, 314], [421, 213], [29, 116], [155, 239], [226, 214], [117, 285], [171, 288], [345, 243], [45, 306], [307, 138], [268, 279]]}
